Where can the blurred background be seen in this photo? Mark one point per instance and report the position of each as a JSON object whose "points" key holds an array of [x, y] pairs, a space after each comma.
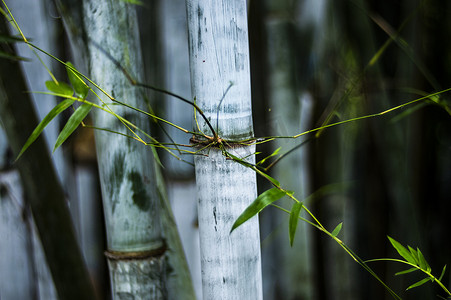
{"points": [[313, 63]]}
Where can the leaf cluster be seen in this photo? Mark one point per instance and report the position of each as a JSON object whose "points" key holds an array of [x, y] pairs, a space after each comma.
{"points": [[77, 91], [415, 259]]}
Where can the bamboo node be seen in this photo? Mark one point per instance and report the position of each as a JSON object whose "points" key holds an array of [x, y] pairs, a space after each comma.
{"points": [[219, 142], [139, 255]]}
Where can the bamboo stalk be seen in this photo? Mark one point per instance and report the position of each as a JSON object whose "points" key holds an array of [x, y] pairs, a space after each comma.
{"points": [[135, 245], [220, 81]]}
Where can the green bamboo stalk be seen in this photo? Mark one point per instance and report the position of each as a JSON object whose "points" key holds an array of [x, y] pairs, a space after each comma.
{"points": [[220, 83]]}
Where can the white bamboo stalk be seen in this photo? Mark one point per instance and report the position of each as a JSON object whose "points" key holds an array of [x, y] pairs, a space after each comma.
{"points": [[219, 56], [231, 264], [219, 61], [131, 203], [126, 165]]}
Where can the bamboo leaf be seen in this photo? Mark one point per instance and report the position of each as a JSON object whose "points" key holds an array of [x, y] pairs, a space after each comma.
{"points": [[59, 88], [443, 273], [337, 229], [72, 124], [406, 271], [272, 180], [49, 117], [4, 38], [156, 156], [263, 200], [12, 56], [135, 2], [423, 263], [414, 255], [402, 251], [269, 156], [80, 87], [294, 217], [421, 282]]}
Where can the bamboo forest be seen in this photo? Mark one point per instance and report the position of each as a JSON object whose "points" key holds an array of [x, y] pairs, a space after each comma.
{"points": [[223, 150]]}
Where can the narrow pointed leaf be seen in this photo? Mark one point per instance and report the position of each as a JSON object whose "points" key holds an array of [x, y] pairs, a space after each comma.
{"points": [[443, 273], [80, 87], [12, 56], [59, 88], [135, 2], [423, 263], [294, 217], [156, 157], [263, 200], [337, 229], [72, 124], [406, 271], [421, 282], [273, 181], [269, 156], [402, 251], [49, 117], [10, 39], [414, 255]]}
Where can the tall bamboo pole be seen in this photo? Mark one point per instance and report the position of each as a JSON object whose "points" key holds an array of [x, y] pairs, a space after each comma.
{"points": [[137, 253], [219, 61]]}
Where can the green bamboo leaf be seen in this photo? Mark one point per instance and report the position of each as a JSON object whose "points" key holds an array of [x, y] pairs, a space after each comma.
{"points": [[4, 38], [59, 88], [49, 117], [421, 282], [423, 263], [443, 273], [402, 251], [12, 56], [406, 271], [156, 156], [72, 123], [135, 2], [294, 217], [269, 156], [272, 180], [414, 255], [80, 87], [263, 200], [337, 229]]}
